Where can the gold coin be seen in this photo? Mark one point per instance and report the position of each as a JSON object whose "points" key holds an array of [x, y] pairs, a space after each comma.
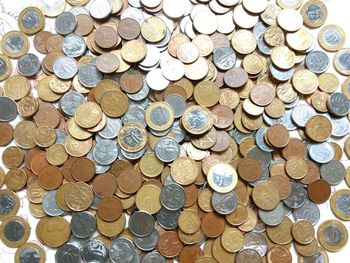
{"points": [[111, 229], [36, 210], [281, 234], [189, 221], [14, 44], [238, 216], [184, 170], [133, 51], [148, 199], [104, 86], [266, 196], [11, 197], [307, 250], [251, 221], [15, 179], [327, 35], [27, 106], [58, 85], [16, 87], [220, 254], [274, 36], [44, 136], [44, 91], [232, 240], [14, 231], [222, 177], [328, 239], [243, 41], [132, 137], [30, 249], [150, 165], [55, 231], [56, 154], [253, 64], [78, 132], [311, 7], [206, 93], [300, 40], [79, 197], [282, 57], [159, 116], [153, 29], [305, 81], [328, 82], [204, 200], [88, 115], [303, 231], [110, 99], [6, 64], [339, 204], [33, 14], [318, 128], [197, 120]]}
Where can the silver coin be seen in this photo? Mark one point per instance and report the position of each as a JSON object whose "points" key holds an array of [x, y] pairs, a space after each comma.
{"points": [[65, 23], [89, 76], [292, 104], [70, 101], [133, 13], [167, 149], [147, 243], [273, 217], [338, 104], [135, 3], [152, 57], [271, 121], [121, 250], [287, 210], [105, 152], [297, 197], [3, 67], [112, 128], [281, 75], [169, 180], [78, 10], [136, 258], [218, 8], [83, 224], [60, 136], [131, 155], [265, 158], [263, 177], [6, 204], [260, 140], [308, 211], [288, 122], [224, 204], [224, 58], [168, 219], [50, 206], [302, 113], [159, 133], [341, 126], [342, 204], [100, 9], [30, 255], [94, 251], [76, 241], [239, 136], [141, 94], [260, 227], [28, 65], [263, 46], [8, 109], [321, 152], [172, 197], [153, 257], [333, 235], [143, 104], [333, 172], [68, 253], [259, 29], [177, 103], [99, 168], [134, 114], [248, 255], [317, 61], [65, 67], [141, 224], [73, 45], [13, 230], [255, 241]]}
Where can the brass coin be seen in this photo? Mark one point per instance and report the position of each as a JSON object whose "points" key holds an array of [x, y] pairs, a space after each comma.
{"points": [[111, 229], [150, 165], [282, 57], [282, 233], [88, 115], [16, 87], [15, 179], [206, 93], [111, 98], [153, 29], [266, 196], [148, 199], [303, 232], [14, 231], [318, 128], [44, 136], [305, 81], [189, 221], [79, 197], [307, 250], [184, 170], [232, 240], [133, 51], [55, 231], [13, 157]]}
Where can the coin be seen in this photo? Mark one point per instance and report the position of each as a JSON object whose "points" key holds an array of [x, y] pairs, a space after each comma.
{"points": [[331, 38], [14, 231], [328, 231], [338, 200], [14, 44], [30, 250]]}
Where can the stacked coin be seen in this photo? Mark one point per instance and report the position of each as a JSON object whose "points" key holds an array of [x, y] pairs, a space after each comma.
{"points": [[141, 139]]}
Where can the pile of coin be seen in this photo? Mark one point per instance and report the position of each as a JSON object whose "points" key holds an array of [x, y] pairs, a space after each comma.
{"points": [[160, 130]]}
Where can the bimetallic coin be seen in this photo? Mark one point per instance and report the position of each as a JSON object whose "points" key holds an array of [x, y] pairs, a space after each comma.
{"points": [[14, 231], [30, 252], [5, 67], [14, 44], [9, 203], [159, 116], [31, 20], [167, 149], [65, 67], [65, 23], [332, 235], [132, 137], [222, 177], [197, 120], [341, 61], [331, 38], [314, 13]]}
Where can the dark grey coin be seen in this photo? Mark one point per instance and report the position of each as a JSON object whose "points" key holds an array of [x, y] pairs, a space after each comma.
{"points": [[248, 255], [265, 172], [70, 101], [265, 158], [224, 204], [8, 109], [168, 219], [317, 61], [281, 75], [255, 241], [28, 65], [77, 10], [65, 67], [340, 126], [167, 149], [73, 45], [112, 128], [318, 257], [302, 113], [338, 104], [89, 76], [342, 204], [153, 257], [333, 172], [94, 251], [76, 241], [239, 136], [147, 243], [65, 23], [14, 230], [178, 104], [260, 140], [99, 168], [83, 224], [224, 58], [141, 223], [141, 94], [6, 204], [121, 250], [14, 43], [105, 152], [30, 255], [273, 217], [333, 235], [179, 131], [321, 152], [308, 211], [172, 197], [271, 121], [60, 136], [68, 253], [297, 197], [50, 206], [263, 46], [134, 114]]}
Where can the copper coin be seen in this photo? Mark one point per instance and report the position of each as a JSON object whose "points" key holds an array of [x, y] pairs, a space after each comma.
{"points": [[223, 116], [261, 95], [319, 191], [313, 173], [67, 169], [47, 116], [131, 81], [191, 194], [129, 28], [50, 177], [83, 169], [85, 25], [118, 166], [29, 156], [106, 37], [222, 142], [278, 135], [129, 181], [283, 184], [213, 225], [6, 133], [175, 89], [104, 184], [107, 63], [235, 77], [13, 157], [38, 162], [169, 244], [249, 169], [294, 148], [279, 254], [189, 254], [110, 208], [50, 58], [40, 40], [54, 43]]}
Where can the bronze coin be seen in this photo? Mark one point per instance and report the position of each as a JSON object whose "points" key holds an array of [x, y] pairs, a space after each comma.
{"points": [[283, 184], [131, 81], [261, 95], [129, 180], [110, 208], [50, 177], [313, 173], [13, 157], [40, 40], [15, 179], [191, 194], [6, 133], [67, 169], [83, 169], [29, 156], [189, 254], [213, 225], [223, 116], [169, 244], [38, 162], [47, 115], [106, 37], [319, 191], [278, 135], [104, 184], [279, 254], [249, 169], [85, 25], [54, 43], [107, 63], [294, 148], [129, 28]]}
